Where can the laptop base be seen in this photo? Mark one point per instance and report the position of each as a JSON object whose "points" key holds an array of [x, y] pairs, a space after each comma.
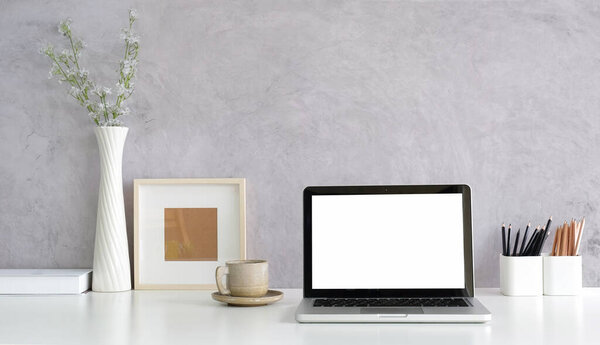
{"points": [[476, 313]]}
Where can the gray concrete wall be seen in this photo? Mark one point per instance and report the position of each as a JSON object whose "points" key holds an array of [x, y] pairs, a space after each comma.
{"points": [[504, 96]]}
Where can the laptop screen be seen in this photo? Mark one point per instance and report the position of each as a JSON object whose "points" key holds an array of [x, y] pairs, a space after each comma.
{"points": [[388, 241]]}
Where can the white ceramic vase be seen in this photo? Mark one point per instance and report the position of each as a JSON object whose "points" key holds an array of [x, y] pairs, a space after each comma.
{"points": [[111, 253]]}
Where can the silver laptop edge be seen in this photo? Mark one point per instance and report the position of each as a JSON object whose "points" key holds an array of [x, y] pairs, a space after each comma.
{"points": [[306, 312]]}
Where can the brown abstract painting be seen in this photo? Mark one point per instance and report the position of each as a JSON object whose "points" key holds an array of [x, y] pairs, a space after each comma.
{"points": [[190, 234]]}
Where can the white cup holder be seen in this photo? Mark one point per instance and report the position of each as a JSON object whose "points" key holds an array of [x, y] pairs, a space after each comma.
{"points": [[562, 275], [521, 275]]}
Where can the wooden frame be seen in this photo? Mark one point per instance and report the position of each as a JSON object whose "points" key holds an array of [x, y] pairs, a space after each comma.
{"points": [[241, 182]]}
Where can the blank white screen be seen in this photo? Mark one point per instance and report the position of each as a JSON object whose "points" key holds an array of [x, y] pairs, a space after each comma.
{"points": [[388, 241]]}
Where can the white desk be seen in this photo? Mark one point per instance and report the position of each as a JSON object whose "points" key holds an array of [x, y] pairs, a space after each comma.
{"points": [[192, 317]]}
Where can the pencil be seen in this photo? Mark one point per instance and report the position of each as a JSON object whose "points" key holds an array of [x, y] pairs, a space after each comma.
{"points": [[546, 235], [579, 237], [508, 240], [570, 238], [557, 238], [514, 253], [532, 240], [555, 241], [524, 239], [576, 236], [540, 241], [564, 240], [503, 240], [548, 224]]}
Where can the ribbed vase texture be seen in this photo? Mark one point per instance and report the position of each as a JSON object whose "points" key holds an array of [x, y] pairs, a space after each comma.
{"points": [[111, 253]]}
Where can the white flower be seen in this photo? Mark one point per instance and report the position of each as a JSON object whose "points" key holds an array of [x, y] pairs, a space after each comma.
{"points": [[48, 49], [120, 88], [65, 67], [54, 70], [113, 123], [75, 91], [65, 54], [129, 37], [129, 66], [65, 26], [133, 39], [83, 73], [96, 90]]}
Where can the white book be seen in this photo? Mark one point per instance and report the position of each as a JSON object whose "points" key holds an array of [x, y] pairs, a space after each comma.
{"points": [[45, 281]]}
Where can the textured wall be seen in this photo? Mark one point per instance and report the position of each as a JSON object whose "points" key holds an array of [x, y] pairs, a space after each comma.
{"points": [[504, 96]]}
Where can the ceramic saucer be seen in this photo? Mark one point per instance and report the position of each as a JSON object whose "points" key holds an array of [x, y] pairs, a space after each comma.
{"points": [[272, 296]]}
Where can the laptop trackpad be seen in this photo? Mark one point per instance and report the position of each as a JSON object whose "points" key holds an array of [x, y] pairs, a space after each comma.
{"points": [[391, 310]]}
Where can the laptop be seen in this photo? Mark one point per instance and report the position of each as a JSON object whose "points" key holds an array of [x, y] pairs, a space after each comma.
{"points": [[389, 254]]}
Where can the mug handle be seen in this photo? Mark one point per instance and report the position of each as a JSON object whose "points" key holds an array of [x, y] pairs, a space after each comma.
{"points": [[221, 272]]}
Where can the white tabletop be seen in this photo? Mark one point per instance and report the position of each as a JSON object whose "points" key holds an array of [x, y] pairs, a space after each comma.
{"points": [[192, 317]]}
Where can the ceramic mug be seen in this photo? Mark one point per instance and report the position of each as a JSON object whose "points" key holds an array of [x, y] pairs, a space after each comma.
{"points": [[245, 278]]}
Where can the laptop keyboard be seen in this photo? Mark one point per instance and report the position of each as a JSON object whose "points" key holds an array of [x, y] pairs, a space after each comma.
{"points": [[390, 302]]}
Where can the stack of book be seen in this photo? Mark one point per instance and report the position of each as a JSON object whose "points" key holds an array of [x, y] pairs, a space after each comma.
{"points": [[45, 281]]}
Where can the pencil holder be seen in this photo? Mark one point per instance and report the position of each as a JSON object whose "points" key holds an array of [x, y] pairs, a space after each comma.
{"points": [[562, 275], [521, 275]]}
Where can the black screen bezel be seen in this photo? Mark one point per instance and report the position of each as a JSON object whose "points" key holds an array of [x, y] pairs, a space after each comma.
{"points": [[465, 190]]}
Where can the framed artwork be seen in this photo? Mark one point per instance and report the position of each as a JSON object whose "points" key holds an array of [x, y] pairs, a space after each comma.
{"points": [[185, 228]]}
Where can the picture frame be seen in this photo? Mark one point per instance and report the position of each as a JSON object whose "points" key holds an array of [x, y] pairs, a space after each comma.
{"points": [[184, 228]]}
